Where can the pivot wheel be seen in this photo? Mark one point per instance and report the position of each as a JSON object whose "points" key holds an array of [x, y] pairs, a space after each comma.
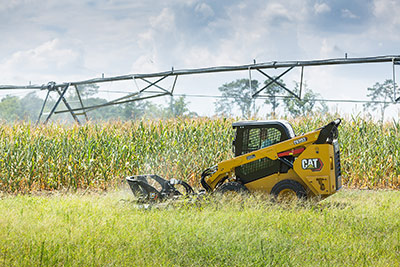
{"points": [[232, 189], [288, 190]]}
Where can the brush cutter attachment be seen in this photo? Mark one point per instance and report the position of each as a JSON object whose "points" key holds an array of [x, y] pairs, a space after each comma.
{"points": [[152, 187]]}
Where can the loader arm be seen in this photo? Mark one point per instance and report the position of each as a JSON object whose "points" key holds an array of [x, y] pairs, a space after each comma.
{"points": [[214, 176]]}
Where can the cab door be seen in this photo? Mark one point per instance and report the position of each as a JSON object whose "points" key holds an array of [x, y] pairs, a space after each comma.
{"points": [[251, 139]]}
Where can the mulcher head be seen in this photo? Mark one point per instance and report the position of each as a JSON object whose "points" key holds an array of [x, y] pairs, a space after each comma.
{"points": [[144, 188]]}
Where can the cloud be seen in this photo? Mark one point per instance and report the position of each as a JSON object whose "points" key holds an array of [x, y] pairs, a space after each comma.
{"points": [[12, 4], [336, 17], [48, 55], [204, 9], [155, 41], [386, 23], [348, 14], [50, 59], [164, 21], [329, 48], [277, 13], [55, 40], [320, 8]]}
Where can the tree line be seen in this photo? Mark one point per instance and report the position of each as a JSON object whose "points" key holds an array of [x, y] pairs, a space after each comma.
{"points": [[237, 95]]}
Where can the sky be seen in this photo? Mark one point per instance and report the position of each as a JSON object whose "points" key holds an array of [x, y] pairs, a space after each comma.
{"points": [[65, 40]]}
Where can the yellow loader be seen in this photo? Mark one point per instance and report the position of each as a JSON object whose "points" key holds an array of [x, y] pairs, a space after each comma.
{"points": [[268, 158]]}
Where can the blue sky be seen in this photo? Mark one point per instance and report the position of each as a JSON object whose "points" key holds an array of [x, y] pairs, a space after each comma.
{"points": [[72, 40]]}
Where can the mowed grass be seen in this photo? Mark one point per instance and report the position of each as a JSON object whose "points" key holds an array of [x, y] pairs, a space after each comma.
{"points": [[351, 228]]}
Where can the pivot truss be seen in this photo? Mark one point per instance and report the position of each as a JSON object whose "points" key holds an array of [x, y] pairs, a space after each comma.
{"points": [[153, 88]]}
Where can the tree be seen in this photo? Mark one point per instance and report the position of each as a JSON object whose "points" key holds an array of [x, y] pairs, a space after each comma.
{"points": [[31, 106], [306, 105], [178, 108], [11, 108], [139, 109], [273, 90], [382, 92], [237, 93]]}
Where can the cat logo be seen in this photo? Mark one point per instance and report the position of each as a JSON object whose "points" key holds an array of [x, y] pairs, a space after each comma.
{"points": [[312, 164]]}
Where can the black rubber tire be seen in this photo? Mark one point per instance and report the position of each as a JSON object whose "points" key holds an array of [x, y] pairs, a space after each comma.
{"points": [[295, 186], [232, 187]]}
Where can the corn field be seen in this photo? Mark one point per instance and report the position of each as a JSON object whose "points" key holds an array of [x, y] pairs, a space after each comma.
{"points": [[100, 156]]}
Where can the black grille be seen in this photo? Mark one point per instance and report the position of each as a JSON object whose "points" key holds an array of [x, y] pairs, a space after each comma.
{"points": [[338, 171], [255, 166]]}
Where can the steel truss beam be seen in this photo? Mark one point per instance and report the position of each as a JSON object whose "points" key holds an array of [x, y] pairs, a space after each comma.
{"points": [[276, 81], [132, 97], [61, 94], [83, 107], [57, 102], [268, 65], [288, 65]]}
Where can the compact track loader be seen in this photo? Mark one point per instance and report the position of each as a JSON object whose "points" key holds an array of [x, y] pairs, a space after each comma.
{"points": [[268, 158]]}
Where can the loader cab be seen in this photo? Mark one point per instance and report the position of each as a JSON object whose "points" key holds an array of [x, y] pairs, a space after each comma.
{"points": [[254, 135]]}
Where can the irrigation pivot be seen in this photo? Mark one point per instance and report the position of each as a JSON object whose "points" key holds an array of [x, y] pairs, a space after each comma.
{"points": [[153, 89]]}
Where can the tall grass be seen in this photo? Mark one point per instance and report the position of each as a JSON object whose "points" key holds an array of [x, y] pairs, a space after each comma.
{"points": [[351, 228], [99, 156]]}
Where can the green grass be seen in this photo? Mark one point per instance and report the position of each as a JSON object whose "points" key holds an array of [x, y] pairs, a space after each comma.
{"points": [[351, 228]]}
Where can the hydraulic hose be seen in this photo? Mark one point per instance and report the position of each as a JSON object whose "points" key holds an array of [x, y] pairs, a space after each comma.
{"points": [[203, 182]]}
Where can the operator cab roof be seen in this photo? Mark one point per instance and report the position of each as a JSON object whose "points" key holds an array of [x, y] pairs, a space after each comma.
{"points": [[283, 124]]}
